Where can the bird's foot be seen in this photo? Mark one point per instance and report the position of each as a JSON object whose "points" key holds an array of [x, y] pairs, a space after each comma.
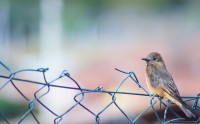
{"points": [[160, 98], [152, 96]]}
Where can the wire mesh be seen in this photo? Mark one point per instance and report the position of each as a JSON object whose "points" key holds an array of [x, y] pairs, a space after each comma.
{"points": [[79, 97]]}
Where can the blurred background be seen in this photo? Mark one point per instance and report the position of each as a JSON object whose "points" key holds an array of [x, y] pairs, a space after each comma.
{"points": [[90, 38]]}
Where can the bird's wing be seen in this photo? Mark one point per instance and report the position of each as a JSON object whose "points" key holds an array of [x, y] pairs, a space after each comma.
{"points": [[165, 80], [167, 83]]}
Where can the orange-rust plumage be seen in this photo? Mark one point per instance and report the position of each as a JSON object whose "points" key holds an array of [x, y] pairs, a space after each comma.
{"points": [[161, 83]]}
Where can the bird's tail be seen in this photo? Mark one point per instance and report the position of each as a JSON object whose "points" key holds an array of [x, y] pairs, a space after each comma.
{"points": [[178, 101], [187, 112]]}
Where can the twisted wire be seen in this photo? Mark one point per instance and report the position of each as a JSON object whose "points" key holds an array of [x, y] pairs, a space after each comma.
{"points": [[79, 97]]}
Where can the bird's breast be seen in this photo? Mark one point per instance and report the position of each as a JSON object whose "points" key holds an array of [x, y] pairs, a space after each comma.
{"points": [[149, 85], [152, 83]]}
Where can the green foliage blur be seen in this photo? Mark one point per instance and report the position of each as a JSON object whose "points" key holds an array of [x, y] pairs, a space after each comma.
{"points": [[11, 109]]}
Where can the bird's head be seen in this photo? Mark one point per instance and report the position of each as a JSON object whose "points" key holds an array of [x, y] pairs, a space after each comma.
{"points": [[154, 58]]}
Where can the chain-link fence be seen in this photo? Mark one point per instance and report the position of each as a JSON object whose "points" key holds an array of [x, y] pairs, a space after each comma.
{"points": [[11, 79]]}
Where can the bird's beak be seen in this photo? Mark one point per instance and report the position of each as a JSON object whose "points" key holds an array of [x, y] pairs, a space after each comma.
{"points": [[146, 59]]}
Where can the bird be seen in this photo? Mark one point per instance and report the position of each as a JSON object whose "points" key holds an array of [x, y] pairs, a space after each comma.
{"points": [[160, 82]]}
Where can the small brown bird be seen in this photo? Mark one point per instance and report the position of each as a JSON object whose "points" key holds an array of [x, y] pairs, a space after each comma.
{"points": [[161, 83]]}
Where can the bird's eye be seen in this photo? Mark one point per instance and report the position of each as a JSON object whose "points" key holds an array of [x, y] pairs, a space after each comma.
{"points": [[154, 58]]}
